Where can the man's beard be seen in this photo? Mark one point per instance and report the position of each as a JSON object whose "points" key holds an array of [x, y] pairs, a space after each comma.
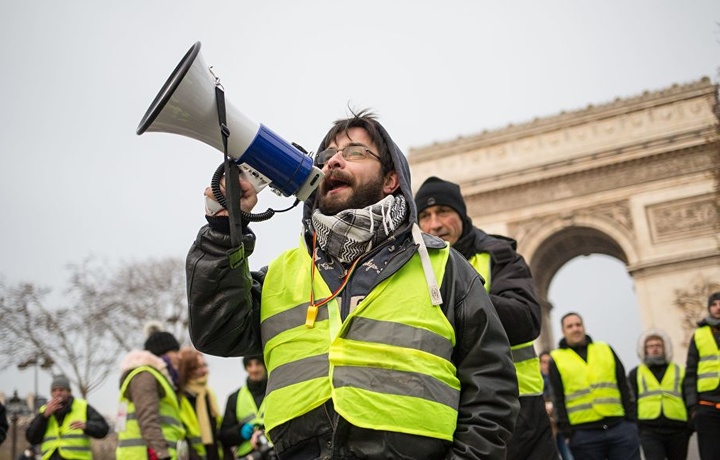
{"points": [[370, 194]]}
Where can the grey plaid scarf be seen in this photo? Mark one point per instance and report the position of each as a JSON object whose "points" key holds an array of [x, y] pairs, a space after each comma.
{"points": [[353, 232]]}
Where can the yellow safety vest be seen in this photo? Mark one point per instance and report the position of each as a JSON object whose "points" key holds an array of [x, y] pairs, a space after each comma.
{"points": [[591, 389], [386, 367], [246, 411], [72, 443], [708, 371], [663, 397], [527, 363], [192, 426], [131, 444]]}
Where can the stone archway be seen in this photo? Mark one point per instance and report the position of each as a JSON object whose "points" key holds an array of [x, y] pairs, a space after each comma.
{"points": [[636, 179], [558, 248]]}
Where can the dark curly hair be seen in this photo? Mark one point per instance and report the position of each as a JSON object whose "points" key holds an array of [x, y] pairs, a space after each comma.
{"points": [[366, 120]]}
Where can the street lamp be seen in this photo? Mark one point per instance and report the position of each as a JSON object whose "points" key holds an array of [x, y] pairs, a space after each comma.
{"points": [[16, 408], [45, 362]]}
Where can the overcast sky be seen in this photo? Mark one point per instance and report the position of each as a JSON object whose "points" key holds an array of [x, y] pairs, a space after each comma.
{"points": [[76, 181]]}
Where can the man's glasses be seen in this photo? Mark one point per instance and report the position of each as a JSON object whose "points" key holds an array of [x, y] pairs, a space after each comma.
{"points": [[349, 153]]}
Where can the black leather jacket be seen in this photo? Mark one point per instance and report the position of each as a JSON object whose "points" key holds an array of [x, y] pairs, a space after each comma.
{"points": [[224, 318]]}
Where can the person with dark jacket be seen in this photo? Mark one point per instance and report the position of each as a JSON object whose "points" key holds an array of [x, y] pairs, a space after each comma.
{"points": [[591, 396], [3, 423], [702, 380], [63, 427], [657, 385], [244, 411], [442, 212], [379, 341]]}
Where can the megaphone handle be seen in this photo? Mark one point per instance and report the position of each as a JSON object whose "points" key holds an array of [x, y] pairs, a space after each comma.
{"points": [[222, 201], [232, 189]]}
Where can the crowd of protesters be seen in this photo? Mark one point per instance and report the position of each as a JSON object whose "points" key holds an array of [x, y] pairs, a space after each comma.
{"points": [[596, 409], [450, 373]]}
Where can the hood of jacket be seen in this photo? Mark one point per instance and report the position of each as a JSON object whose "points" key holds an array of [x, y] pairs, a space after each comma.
{"points": [[475, 240], [137, 358], [401, 167], [667, 344]]}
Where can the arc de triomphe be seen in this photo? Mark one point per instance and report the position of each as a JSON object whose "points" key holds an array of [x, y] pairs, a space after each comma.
{"points": [[636, 179]]}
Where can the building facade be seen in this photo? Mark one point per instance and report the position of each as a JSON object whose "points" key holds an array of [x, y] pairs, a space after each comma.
{"points": [[636, 179]]}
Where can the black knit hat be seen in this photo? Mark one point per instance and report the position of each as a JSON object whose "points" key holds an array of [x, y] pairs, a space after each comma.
{"points": [[160, 342], [248, 358], [713, 297], [437, 192]]}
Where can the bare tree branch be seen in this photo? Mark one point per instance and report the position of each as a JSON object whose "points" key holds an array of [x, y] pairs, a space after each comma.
{"points": [[108, 308]]}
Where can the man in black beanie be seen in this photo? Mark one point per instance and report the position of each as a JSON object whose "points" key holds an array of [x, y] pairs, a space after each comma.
{"points": [[245, 410], [702, 380], [149, 424], [442, 212]]}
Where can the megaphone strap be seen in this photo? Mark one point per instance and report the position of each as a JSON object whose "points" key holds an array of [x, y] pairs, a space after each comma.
{"points": [[231, 173]]}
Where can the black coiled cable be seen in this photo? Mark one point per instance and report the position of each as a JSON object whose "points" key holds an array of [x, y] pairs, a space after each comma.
{"points": [[246, 217]]}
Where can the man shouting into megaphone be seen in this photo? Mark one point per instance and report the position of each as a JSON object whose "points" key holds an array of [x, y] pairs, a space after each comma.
{"points": [[379, 340]]}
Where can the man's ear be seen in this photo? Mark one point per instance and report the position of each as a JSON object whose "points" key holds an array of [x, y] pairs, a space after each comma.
{"points": [[391, 183]]}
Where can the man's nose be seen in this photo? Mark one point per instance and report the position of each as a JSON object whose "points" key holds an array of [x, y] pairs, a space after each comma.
{"points": [[334, 160], [435, 221]]}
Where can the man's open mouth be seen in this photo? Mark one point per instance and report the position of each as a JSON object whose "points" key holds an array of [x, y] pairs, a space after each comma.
{"points": [[334, 183]]}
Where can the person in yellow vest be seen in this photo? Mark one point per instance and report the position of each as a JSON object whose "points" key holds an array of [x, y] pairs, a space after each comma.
{"points": [[442, 212], [149, 423], [591, 396], [245, 411], [379, 340], [63, 427], [199, 406], [657, 384], [702, 381]]}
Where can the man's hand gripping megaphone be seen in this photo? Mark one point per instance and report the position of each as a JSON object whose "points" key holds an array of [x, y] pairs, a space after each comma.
{"points": [[251, 183]]}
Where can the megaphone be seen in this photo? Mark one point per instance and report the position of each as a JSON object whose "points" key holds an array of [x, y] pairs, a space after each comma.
{"points": [[187, 105]]}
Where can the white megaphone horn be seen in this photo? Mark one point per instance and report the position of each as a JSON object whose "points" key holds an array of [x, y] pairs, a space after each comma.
{"points": [[187, 105]]}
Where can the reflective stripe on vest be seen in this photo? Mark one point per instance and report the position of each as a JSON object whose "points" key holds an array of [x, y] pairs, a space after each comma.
{"points": [[71, 443], [393, 351], [247, 412], [131, 444], [708, 371], [527, 363], [663, 397], [192, 426], [591, 390]]}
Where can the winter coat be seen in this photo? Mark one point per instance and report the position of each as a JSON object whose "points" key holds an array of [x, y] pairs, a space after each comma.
{"points": [[225, 320], [146, 392], [512, 290]]}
